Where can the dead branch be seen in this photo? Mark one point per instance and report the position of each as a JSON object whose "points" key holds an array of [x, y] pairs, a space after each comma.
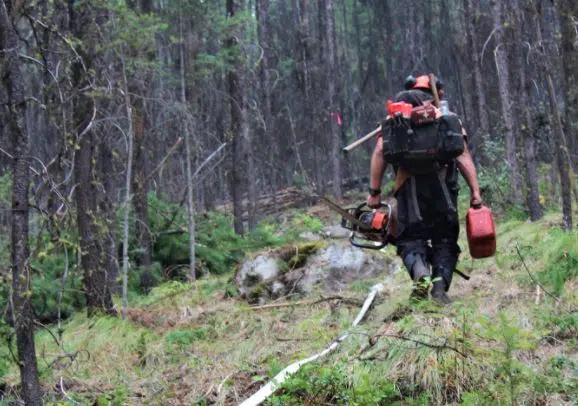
{"points": [[532, 276], [373, 340], [347, 300]]}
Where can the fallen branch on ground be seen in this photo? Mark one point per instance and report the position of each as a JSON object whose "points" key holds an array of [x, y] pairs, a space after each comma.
{"points": [[278, 380], [348, 300], [373, 340], [557, 299]]}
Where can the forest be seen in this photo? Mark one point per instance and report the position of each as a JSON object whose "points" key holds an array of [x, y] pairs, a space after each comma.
{"points": [[150, 148]]}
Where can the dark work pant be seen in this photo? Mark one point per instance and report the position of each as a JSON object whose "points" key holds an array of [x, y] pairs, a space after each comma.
{"points": [[428, 226]]}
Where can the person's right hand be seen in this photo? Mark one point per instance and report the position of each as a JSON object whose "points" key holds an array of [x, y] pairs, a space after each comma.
{"points": [[374, 202]]}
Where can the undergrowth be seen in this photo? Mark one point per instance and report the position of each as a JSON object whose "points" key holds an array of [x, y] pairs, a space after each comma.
{"points": [[499, 343]]}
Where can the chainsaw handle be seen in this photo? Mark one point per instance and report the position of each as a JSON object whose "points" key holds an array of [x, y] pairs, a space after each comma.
{"points": [[364, 204], [369, 245]]}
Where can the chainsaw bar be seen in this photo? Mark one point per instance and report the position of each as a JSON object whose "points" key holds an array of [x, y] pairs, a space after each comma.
{"points": [[344, 213]]}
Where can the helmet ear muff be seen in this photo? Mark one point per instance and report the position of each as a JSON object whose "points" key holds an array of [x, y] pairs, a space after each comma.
{"points": [[410, 82], [439, 83]]}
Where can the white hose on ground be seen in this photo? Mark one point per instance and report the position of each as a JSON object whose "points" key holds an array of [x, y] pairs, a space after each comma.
{"points": [[267, 390]]}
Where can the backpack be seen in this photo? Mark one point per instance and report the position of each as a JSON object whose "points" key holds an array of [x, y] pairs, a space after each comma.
{"points": [[418, 139]]}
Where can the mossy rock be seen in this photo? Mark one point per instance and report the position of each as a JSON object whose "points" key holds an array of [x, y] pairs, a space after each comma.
{"points": [[291, 257]]}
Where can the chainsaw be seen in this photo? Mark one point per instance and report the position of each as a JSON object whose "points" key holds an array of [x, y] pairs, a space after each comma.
{"points": [[370, 228]]}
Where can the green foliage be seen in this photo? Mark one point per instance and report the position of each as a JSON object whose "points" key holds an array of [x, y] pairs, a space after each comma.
{"points": [[118, 397], [561, 259], [335, 385], [132, 30], [5, 357], [48, 267], [218, 249], [185, 337], [5, 204]]}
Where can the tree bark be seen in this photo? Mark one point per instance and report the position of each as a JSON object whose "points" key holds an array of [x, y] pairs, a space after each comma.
{"points": [[139, 89], [128, 198], [471, 15], [334, 133], [525, 117], [107, 207], [188, 157], [95, 278], [264, 38], [237, 105], [506, 101], [560, 143], [21, 309], [568, 12]]}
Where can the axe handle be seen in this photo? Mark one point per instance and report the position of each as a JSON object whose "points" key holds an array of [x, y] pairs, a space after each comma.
{"points": [[362, 140], [434, 89]]}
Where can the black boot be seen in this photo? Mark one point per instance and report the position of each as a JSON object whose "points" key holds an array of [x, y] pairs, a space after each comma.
{"points": [[442, 278]]}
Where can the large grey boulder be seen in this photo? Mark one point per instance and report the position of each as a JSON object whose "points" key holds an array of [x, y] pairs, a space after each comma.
{"points": [[255, 271], [330, 266]]}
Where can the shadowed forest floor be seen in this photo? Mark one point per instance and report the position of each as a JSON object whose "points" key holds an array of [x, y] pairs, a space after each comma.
{"points": [[502, 341]]}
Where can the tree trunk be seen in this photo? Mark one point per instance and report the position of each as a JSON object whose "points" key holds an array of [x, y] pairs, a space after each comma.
{"points": [[237, 105], [264, 38], [127, 199], [471, 16], [568, 12], [525, 117], [561, 157], [142, 147], [140, 187], [506, 101], [334, 133], [16, 114], [98, 296], [558, 132], [108, 209], [188, 157]]}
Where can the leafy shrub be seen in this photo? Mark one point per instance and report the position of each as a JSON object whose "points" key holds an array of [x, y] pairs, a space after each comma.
{"points": [[217, 247], [561, 260], [334, 385], [48, 267], [185, 337]]}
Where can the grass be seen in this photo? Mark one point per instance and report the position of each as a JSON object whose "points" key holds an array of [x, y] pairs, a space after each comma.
{"points": [[187, 344]]}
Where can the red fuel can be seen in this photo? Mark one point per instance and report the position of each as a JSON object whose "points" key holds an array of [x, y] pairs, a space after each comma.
{"points": [[481, 232]]}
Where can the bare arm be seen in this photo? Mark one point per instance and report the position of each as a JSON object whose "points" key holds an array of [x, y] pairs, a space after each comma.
{"points": [[468, 171], [376, 171]]}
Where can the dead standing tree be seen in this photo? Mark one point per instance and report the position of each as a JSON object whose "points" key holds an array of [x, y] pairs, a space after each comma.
{"points": [[16, 114]]}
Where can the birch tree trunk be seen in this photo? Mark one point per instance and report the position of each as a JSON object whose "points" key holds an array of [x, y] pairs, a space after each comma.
{"points": [[16, 113]]}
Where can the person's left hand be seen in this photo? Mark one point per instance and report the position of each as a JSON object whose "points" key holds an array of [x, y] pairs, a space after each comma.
{"points": [[475, 199]]}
